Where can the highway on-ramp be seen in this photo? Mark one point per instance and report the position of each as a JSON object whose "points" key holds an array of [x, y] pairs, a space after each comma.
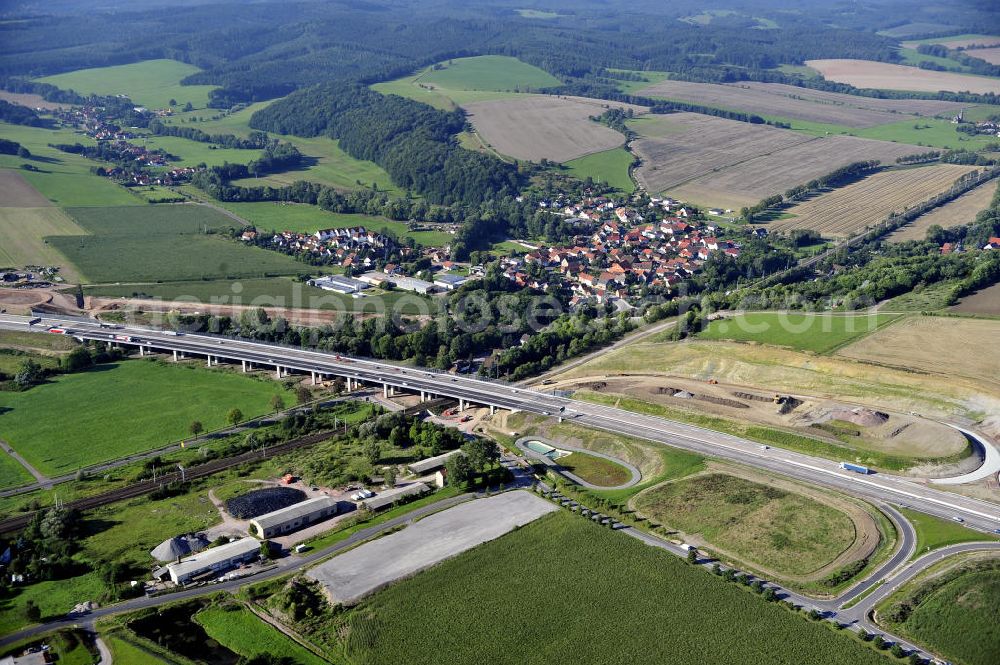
{"points": [[880, 488]]}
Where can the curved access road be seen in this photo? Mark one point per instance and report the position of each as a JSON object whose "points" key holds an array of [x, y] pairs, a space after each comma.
{"points": [[522, 446], [991, 460]]}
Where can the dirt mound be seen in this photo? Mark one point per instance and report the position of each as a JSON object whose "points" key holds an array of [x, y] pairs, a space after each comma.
{"points": [[259, 502], [861, 417]]}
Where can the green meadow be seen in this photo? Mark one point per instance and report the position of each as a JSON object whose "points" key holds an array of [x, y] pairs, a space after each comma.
{"points": [[610, 166], [152, 83], [62, 425], [819, 333]]}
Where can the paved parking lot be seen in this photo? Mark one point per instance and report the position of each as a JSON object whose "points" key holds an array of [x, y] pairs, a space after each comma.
{"points": [[351, 576]]}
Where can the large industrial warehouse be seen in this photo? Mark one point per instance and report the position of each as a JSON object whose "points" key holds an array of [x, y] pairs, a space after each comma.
{"points": [[294, 517]]}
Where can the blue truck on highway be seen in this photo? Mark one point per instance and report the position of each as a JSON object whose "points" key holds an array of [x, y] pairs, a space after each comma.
{"points": [[856, 468]]}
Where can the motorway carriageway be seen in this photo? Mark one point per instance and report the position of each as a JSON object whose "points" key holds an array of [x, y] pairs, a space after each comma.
{"points": [[880, 487]]}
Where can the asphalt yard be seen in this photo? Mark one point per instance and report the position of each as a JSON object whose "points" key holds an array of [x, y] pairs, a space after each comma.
{"points": [[351, 576]]}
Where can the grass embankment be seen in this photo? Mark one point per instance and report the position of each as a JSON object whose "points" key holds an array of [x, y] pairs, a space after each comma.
{"points": [[119, 409], [510, 600], [152, 83], [240, 631], [819, 333], [772, 528], [952, 612], [766, 435], [595, 470], [934, 532]]}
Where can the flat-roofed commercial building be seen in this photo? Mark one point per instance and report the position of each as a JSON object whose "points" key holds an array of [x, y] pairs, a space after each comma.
{"points": [[432, 463], [214, 560], [339, 283], [294, 517], [389, 497]]}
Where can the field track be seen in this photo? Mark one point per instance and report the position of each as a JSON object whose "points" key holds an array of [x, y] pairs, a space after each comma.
{"points": [[858, 205], [885, 76]]}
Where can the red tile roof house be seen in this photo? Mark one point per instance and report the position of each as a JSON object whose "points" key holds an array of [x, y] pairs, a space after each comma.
{"points": [[994, 243]]}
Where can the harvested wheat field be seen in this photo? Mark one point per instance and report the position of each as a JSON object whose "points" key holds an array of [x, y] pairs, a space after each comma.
{"points": [[885, 76], [946, 346], [751, 179], [788, 101], [536, 127], [867, 202], [680, 147], [954, 213]]}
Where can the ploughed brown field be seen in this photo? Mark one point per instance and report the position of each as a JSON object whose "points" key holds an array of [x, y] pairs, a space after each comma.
{"points": [[536, 127], [867, 202], [886, 76], [31, 101], [714, 161], [961, 43], [789, 101], [16, 192], [960, 211], [985, 301]]}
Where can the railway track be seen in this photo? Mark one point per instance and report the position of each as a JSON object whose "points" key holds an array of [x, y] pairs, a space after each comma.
{"points": [[147, 486]]}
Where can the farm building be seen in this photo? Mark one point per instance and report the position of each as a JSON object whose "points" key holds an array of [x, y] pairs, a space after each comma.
{"points": [[294, 517], [339, 283], [431, 463], [214, 560], [389, 497], [450, 282]]}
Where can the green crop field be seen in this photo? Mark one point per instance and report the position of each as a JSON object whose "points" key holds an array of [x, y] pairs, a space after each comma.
{"points": [[934, 532], [237, 629], [215, 121], [610, 166], [819, 333], [951, 609], [465, 80], [152, 83], [270, 292], [787, 533], [635, 87], [116, 410], [595, 470], [164, 243], [488, 72], [564, 590]]}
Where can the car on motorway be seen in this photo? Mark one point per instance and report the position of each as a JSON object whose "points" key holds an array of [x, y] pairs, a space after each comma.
{"points": [[957, 518], [765, 447]]}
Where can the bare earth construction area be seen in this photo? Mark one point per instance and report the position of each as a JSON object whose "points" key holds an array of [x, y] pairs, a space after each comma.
{"points": [[885, 76], [866, 202], [714, 161], [351, 576], [788, 101], [536, 127]]}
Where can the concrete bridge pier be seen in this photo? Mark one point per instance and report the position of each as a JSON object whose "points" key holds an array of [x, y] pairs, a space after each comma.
{"points": [[175, 355], [277, 371], [385, 390], [493, 410], [142, 351], [461, 404], [312, 375], [209, 362]]}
